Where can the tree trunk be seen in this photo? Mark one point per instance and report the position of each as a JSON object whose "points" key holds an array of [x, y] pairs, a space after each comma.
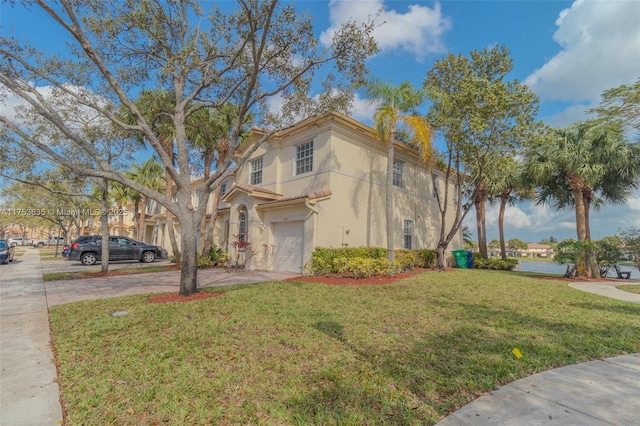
{"points": [[143, 215], [223, 149], [581, 230], [441, 262], [103, 185], [504, 198], [480, 202], [591, 255], [120, 219], [212, 221], [168, 192], [389, 198], [136, 219], [204, 244], [189, 260]]}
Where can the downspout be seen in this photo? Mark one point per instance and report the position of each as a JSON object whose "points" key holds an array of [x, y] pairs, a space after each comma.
{"points": [[313, 210]]}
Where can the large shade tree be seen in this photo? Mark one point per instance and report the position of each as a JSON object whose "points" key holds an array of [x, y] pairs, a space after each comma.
{"points": [[396, 111], [481, 116], [243, 54], [621, 106]]}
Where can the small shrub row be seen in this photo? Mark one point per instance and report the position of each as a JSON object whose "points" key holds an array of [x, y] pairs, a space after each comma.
{"points": [[493, 263], [345, 261], [363, 267]]}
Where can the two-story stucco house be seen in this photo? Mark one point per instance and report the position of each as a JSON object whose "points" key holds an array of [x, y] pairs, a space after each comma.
{"points": [[321, 183]]}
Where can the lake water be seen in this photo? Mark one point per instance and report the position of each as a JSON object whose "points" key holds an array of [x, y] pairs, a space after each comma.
{"points": [[554, 268]]}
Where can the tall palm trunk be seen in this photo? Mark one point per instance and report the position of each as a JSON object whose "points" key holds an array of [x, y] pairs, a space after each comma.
{"points": [[581, 229], [389, 197], [587, 195], [205, 245], [141, 220], [120, 219], [504, 198], [480, 202], [170, 229], [223, 150], [103, 185], [168, 192]]}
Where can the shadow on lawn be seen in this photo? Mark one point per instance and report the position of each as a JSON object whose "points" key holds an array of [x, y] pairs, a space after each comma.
{"points": [[442, 370], [629, 309]]}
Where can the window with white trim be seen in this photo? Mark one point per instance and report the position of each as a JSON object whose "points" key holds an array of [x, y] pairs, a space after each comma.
{"points": [[256, 171], [223, 189], [398, 171], [304, 158], [242, 227], [408, 234]]}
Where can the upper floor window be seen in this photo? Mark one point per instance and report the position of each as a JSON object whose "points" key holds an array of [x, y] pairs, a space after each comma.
{"points": [[304, 158], [197, 197], [408, 235], [223, 189], [256, 171], [398, 169]]}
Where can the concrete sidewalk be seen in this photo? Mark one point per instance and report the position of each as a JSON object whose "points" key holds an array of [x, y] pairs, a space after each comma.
{"points": [[29, 393], [603, 392]]}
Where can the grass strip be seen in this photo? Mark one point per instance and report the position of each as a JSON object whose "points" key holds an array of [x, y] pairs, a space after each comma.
{"points": [[630, 288], [314, 354], [57, 276]]}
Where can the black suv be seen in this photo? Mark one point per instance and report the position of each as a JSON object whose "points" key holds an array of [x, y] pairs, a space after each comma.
{"points": [[88, 250]]}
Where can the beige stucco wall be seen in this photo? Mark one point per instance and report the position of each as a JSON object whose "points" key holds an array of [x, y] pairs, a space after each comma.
{"points": [[349, 162]]}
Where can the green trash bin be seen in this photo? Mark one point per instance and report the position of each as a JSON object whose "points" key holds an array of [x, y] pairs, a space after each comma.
{"points": [[461, 258]]}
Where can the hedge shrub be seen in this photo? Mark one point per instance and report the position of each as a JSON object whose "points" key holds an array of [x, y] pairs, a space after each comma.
{"points": [[354, 261], [363, 267], [493, 263], [425, 258]]}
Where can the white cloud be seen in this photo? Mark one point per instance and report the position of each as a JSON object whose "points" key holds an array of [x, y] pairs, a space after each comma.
{"points": [[634, 203], [569, 116], [362, 109], [600, 43], [418, 31], [13, 107]]}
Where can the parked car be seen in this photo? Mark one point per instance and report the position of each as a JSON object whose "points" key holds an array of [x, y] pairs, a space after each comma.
{"points": [[52, 241], [18, 241], [65, 250], [6, 251], [88, 250]]}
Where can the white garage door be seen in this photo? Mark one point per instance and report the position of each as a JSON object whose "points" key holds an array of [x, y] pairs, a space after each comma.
{"points": [[288, 251]]}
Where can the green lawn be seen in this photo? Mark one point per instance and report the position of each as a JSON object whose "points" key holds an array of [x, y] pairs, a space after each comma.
{"points": [[301, 353], [630, 288]]}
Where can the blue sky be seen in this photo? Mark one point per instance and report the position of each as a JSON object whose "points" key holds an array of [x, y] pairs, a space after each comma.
{"points": [[568, 52]]}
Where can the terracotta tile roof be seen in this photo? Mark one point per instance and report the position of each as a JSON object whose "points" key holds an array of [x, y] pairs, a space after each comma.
{"points": [[253, 188], [310, 196]]}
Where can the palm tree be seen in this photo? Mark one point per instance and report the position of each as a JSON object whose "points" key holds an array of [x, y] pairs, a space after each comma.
{"points": [[209, 131], [584, 165], [155, 106], [151, 175], [396, 112], [120, 194], [506, 184]]}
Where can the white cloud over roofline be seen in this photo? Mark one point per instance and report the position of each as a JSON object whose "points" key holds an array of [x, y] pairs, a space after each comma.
{"points": [[418, 31]]}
